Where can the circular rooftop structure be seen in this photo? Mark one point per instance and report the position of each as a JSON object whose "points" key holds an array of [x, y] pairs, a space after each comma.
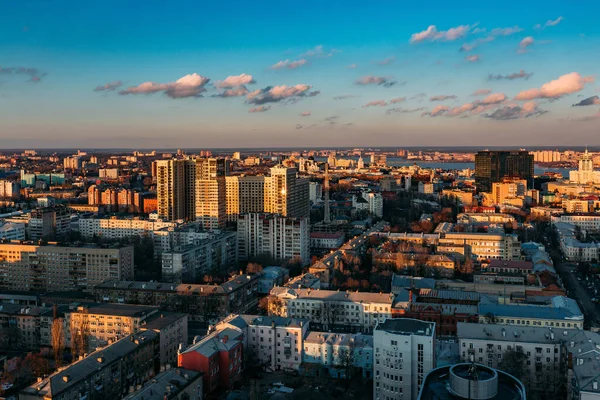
{"points": [[473, 381]]}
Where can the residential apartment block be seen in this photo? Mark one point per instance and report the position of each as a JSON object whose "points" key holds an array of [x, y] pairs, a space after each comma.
{"points": [[57, 268], [201, 302], [108, 373], [404, 354], [278, 237], [329, 309]]}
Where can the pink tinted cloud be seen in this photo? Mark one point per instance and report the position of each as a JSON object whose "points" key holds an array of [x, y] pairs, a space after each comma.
{"points": [[432, 34], [473, 58], [564, 85], [278, 93], [259, 109], [481, 92], [188, 86], [376, 103], [235, 81], [525, 44], [494, 98], [289, 64]]}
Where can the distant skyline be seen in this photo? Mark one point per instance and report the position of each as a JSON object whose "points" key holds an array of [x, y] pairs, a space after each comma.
{"points": [[312, 74]]}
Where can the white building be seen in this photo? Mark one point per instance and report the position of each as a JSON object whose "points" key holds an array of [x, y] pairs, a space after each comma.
{"points": [[558, 312], [352, 311], [585, 173], [339, 353], [375, 201], [588, 222], [270, 341], [404, 354], [541, 347], [12, 231], [278, 237]]}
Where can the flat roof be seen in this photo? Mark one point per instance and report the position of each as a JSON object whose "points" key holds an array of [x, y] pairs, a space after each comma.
{"points": [[165, 384], [407, 326]]}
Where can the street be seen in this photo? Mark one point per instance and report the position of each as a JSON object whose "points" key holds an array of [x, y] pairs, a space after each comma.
{"points": [[578, 290]]}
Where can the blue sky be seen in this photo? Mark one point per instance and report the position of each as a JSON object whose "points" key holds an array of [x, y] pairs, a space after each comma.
{"points": [[316, 73]]}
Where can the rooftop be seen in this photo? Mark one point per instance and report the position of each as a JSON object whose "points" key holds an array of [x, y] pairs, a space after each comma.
{"points": [[223, 340], [123, 310], [243, 321], [165, 385], [333, 295], [64, 379], [523, 265], [407, 326], [412, 282], [436, 383], [518, 334], [561, 308]]}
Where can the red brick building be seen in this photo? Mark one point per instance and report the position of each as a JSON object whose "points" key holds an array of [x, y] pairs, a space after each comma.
{"points": [[219, 356]]}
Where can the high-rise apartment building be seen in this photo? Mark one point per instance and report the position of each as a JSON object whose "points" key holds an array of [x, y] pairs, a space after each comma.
{"points": [[60, 268], [286, 194], [276, 236], [244, 194], [176, 189], [73, 163], [404, 354], [9, 189], [493, 166], [211, 208]]}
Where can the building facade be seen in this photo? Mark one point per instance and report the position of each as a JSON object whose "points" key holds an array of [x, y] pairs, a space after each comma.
{"points": [[493, 166], [57, 268], [404, 354], [278, 237]]}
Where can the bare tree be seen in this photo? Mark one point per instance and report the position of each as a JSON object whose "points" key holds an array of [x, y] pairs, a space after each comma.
{"points": [[80, 334], [346, 359], [58, 340]]}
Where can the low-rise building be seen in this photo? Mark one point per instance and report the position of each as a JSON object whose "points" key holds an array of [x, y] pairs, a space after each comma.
{"points": [[218, 356], [560, 312], [110, 372], [173, 384], [201, 302], [333, 310], [273, 342], [338, 354], [539, 347]]}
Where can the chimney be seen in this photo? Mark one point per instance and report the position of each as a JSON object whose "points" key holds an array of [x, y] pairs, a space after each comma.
{"points": [[225, 339]]}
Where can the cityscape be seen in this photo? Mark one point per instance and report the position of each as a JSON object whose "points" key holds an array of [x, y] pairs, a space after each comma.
{"points": [[322, 200]]}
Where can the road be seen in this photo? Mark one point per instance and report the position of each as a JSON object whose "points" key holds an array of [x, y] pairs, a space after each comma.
{"points": [[580, 292]]}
